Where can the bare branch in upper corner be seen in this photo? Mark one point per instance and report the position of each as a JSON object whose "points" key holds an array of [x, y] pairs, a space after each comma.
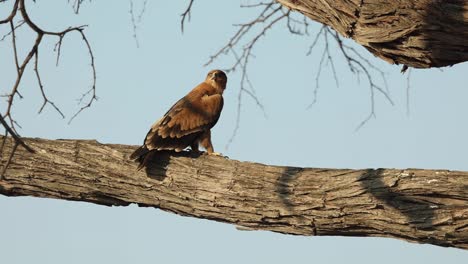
{"points": [[185, 14], [243, 41], [19, 7]]}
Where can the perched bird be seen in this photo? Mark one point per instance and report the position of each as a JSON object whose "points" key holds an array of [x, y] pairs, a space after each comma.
{"points": [[188, 122]]}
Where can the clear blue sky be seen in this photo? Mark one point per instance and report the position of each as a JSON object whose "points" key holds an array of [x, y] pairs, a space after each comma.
{"points": [[137, 85]]}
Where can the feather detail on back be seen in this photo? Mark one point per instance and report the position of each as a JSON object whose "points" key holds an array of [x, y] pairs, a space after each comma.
{"points": [[196, 112]]}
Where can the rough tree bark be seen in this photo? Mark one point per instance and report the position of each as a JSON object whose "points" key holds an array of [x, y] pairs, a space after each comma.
{"points": [[416, 33], [423, 206]]}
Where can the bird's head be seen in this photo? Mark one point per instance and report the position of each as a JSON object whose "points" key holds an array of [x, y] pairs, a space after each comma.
{"points": [[217, 78]]}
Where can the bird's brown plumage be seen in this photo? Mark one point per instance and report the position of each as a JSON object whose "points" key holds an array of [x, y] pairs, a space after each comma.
{"points": [[188, 121]]}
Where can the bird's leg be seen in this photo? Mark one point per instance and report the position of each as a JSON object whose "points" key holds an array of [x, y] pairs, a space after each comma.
{"points": [[205, 141], [194, 147]]}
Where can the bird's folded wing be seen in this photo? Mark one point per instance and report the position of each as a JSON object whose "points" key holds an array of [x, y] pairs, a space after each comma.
{"points": [[189, 115]]}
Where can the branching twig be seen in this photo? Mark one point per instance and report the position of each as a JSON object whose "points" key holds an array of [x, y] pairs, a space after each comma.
{"points": [[326, 57], [132, 16], [76, 5], [185, 14], [136, 20], [61, 35], [358, 67], [357, 64], [20, 71], [11, 31], [93, 88], [142, 11], [41, 87], [19, 7], [270, 14]]}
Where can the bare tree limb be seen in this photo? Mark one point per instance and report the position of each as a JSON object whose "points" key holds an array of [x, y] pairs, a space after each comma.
{"points": [[419, 34], [422, 206], [19, 5], [243, 41], [10, 126]]}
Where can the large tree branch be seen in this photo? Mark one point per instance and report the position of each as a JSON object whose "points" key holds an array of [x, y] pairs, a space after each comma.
{"points": [[417, 33], [424, 206]]}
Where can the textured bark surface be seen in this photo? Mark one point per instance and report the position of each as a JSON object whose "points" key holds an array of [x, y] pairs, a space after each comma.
{"points": [[416, 33], [423, 206]]}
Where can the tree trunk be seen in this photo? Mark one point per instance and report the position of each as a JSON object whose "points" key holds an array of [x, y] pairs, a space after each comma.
{"points": [[423, 206], [416, 33]]}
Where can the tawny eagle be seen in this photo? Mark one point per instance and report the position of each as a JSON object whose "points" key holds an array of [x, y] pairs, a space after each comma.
{"points": [[188, 122]]}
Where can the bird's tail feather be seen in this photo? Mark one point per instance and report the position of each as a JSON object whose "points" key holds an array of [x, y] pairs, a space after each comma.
{"points": [[140, 155], [141, 151], [144, 159]]}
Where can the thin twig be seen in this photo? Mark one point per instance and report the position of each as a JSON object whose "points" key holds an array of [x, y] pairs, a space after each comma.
{"points": [[408, 87], [132, 17], [76, 5], [357, 64], [317, 78], [20, 23], [21, 69], [93, 88], [41, 87], [270, 13], [142, 11], [185, 14]]}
